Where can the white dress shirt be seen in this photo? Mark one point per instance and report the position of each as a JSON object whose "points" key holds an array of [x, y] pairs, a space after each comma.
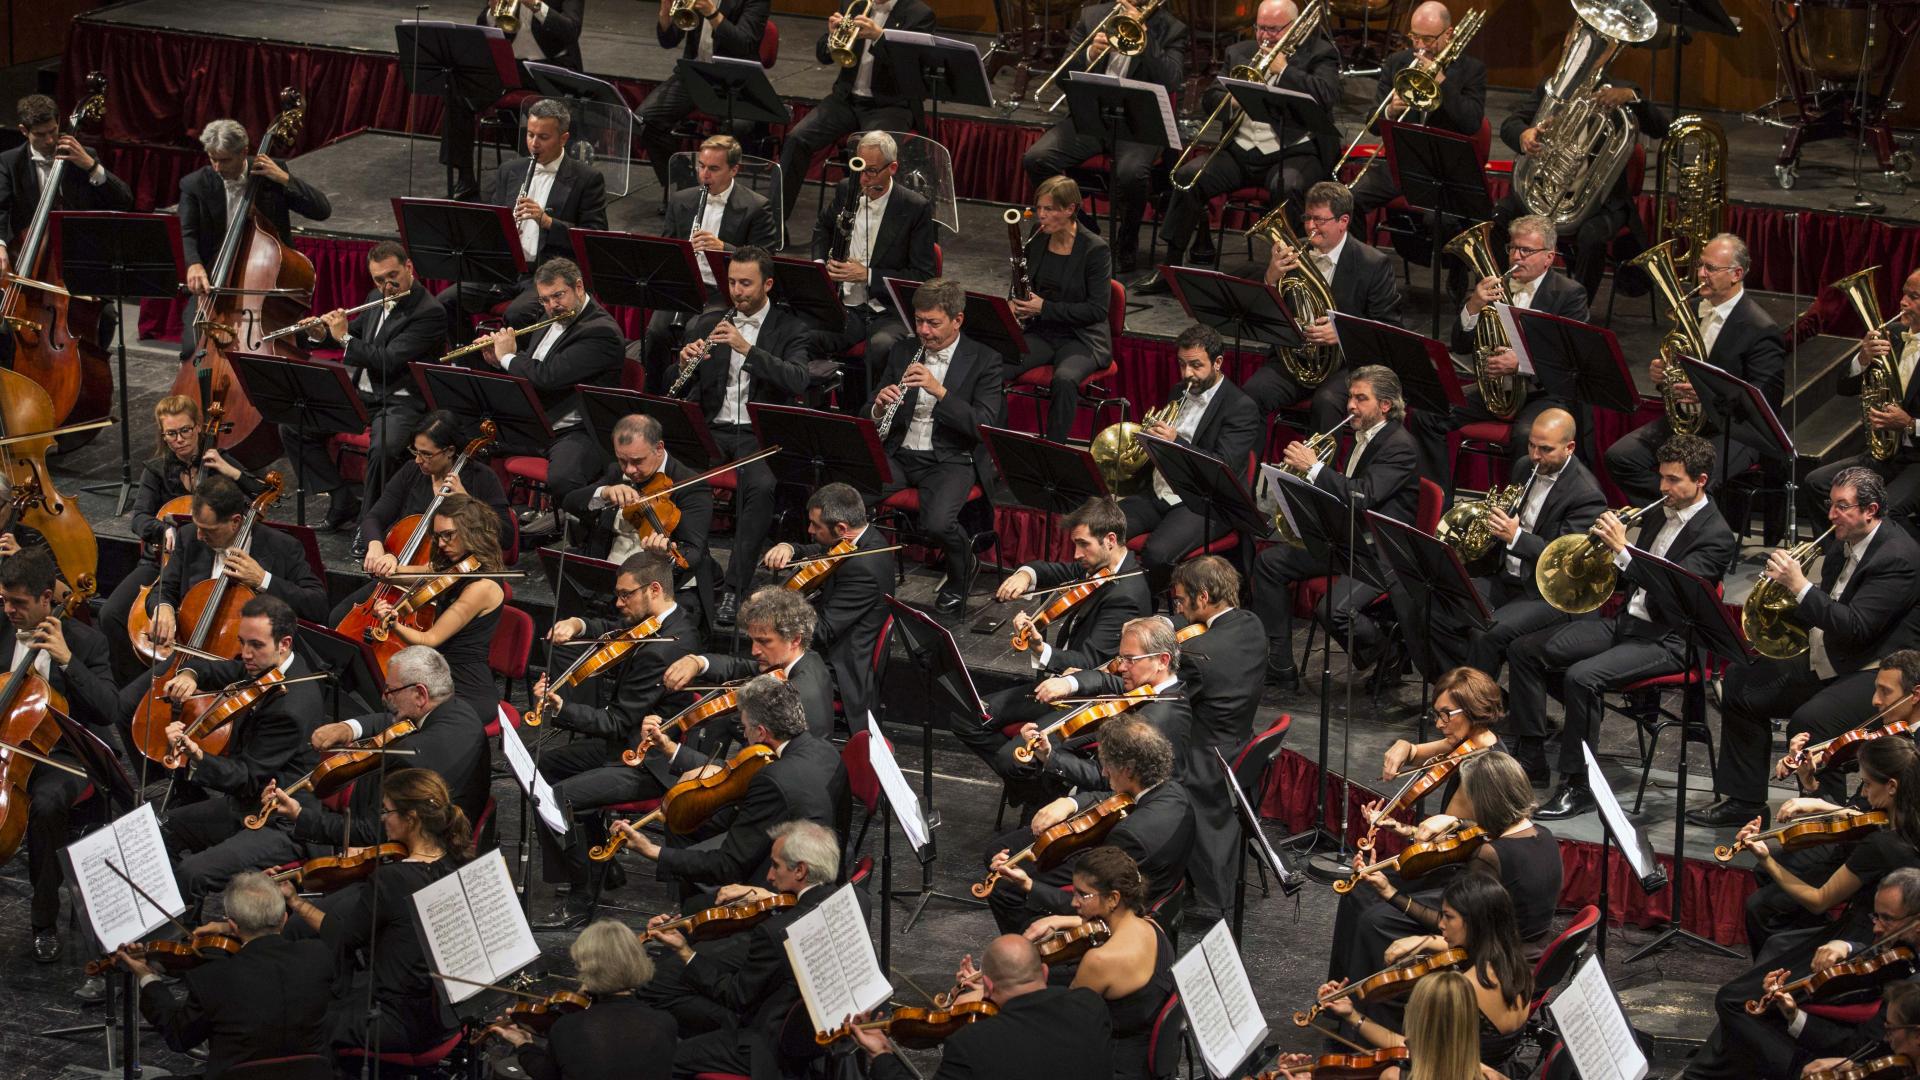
{"points": [[1520, 296], [1714, 319], [920, 425], [1904, 363], [524, 364], [733, 407], [625, 540], [236, 190], [1816, 637], [42, 662], [707, 219], [1662, 540], [524, 47], [1261, 138], [1538, 489], [538, 191], [863, 77], [1192, 408], [867, 216], [1360, 444]]}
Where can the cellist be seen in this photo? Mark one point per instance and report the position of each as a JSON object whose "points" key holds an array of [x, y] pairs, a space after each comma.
{"points": [[779, 624], [851, 594], [24, 170]]}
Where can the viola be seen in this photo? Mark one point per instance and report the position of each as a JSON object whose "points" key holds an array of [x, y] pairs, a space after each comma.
{"points": [[27, 704], [718, 703], [656, 514], [538, 1016], [688, 804], [916, 1028], [594, 661], [1387, 983], [1062, 602], [1420, 859], [1881, 1068], [1068, 946], [1339, 1066], [139, 623], [1057, 843], [174, 956], [260, 283], [338, 769], [811, 574], [1425, 778], [1082, 720], [213, 728], [718, 922], [1872, 969], [331, 873], [1811, 832]]}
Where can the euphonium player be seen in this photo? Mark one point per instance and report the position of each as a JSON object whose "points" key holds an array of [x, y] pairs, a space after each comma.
{"points": [[1899, 346]]}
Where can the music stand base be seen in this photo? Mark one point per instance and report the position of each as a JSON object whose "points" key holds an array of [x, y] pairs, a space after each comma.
{"points": [[928, 896], [1310, 840], [1329, 867], [1672, 933]]}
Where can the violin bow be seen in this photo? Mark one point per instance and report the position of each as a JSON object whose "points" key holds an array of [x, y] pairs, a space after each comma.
{"points": [[148, 897], [1107, 580], [489, 986], [811, 559]]}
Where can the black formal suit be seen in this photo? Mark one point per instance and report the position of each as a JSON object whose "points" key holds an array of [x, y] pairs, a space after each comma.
{"points": [[1074, 766], [269, 1000], [956, 459], [203, 222], [589, 350], [747, 219], [1158, 832], [1053, 1032], [558, 37], [812, 679], [577, 199], [1750, 346], [270, 742], [607, 534], [1072, 334], [620, 1038], [380, 345], [86, 680], [743, 23], [852, 609], [1364, 284], [806, 782], [20, 194], [1463, 108], [1229, 428], [289, 576], [1163, 60], [1876, 613], [902, 247], [1903, 481]]}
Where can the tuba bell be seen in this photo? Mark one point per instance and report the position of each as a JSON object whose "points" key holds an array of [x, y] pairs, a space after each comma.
{"points": [[505, 14], [1575, 574], [1464, 527], [1307, 294], [1502, 394], [1683, 338], [1120, 457], [1879, 385], [1767, 615], [1693, 204], [840, 40]]}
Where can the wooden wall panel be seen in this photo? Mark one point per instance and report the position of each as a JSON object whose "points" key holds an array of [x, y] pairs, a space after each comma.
{"points": [[37, 29]]}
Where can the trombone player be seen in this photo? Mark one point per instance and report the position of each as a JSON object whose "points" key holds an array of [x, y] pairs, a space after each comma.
{"points": [[1899, 347], [725, 28], [1161, 57], [1463, 97]]}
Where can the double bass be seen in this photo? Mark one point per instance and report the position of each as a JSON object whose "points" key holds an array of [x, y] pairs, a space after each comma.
{"points": [[258, 283], [26, 707], [37, 309]]}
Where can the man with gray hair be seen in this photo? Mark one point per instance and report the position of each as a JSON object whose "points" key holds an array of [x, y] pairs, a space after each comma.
{"points": [[1148, 662], [779, 627], [873, 230]]}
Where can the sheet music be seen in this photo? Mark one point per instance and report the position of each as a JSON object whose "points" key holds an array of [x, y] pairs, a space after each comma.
{"points": [[1169, 124], [1514, 336], [1594, 1028], [117, 914], [1236, 991], [834, 962], [893, 782], [935, 41], [1623, 830], [1214, 991], [473, 926], [530, 780]]}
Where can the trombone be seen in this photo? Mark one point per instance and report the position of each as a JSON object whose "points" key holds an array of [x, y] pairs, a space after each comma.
{"points": [[683, 15], [1304, 26], [469, 350], [1418, 86], [840, 40], [1126, 33]]}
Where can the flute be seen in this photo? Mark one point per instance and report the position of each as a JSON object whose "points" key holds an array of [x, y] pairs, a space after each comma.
{"points": [[305, 324]]}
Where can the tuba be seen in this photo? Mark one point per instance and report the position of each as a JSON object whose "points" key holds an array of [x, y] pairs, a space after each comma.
{"points": [[1323, 445], [1464, 527], [1502, 394], [1120, 457], [1693, 204], [1298, 32], [1683, 337], [1767, 616], [840, 41], [1575, 574], [1879, 385], [1583, 148], [1307, 294], [505, 15]]}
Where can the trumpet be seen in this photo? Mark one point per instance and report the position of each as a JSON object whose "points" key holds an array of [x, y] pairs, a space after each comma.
{"points": [[469, 350], [689, 366], [1418, 86], [1575, 573], [1303, 27], [840, 40], [1126, 34], [505, 15], [683, 15], [307, 324], [1766, 616], [1323, 445]]}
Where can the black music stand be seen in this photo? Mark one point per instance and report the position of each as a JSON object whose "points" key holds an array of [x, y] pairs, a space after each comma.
{"points": [[926, 66], [1423, 364], [1217, 487], [465, 243], [102, 766], [1253, 841], [683, 426], [818, 448], [507, 400], [1431, 579], [989, 320], [1741, 411], [931, 646], [461, 61], [1440, 175], [656, 272], [802, 285], [732, 89], [1685, 17], [120, 257], [1711, 631], [1240, 308], [306, 395], [1575, 361], [1120, 110], [356, 671], [588, 582], [1050, 477]]}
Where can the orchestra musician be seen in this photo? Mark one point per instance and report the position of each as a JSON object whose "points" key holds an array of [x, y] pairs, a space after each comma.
{"points": [[731, 29], [550, 193], [1899, 349], [380, 344], [852, 607], [1741, 338], [208, 196], [1041, 1031], [885, 231], [269, 1000], [1381, 469], [805, 782], [620, 1035], [1858, 610], [1148, 658], [1892, 1027], [1162, 59], [467, 613], [407, 1012], [554, 38], [1255, 156], [757, 351], [1643, 640], [936, 391], [865, 97], [1466, 706], [1067, 325], [1443, 1029], [1463, 97], [1533, 284], [435, 448], [779, 627], [640, 456], [584, 348], [89, 185]]}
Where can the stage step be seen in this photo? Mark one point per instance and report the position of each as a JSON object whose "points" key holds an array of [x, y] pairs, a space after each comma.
{"points": [[1830, 432]]}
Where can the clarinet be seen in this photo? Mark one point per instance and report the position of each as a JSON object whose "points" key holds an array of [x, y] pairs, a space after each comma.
{"points": [[688, 366], [886, 417]]}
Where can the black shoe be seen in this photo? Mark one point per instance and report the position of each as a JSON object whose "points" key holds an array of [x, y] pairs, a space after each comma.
{"points": [[46, 946], [1127, 264], [1728, 814], [1202, 257], [614, 876], [92, 991], [464, 188], [574, 914], [1154, 284], [1532, 756], [950, 603], [1283, 675], [344, 513], [725, 608], [1566, 801], [359, 548]]}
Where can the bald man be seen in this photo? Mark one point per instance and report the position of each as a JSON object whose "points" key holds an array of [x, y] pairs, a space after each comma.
{"points": [[1463, 96]]}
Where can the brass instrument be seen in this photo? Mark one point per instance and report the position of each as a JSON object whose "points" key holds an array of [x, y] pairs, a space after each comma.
{"points": [[840, 40], [1323, 445], [692, 364], [1418, 86], [1683, 338], [1303, 27], [683, 15], [840, 248], [1126, 33], [1307, 294], [1464, 527], [1767, 616], [1121, 458], [1583, 148], [1879, 383], [1502, 394], [469, 350], [1693, 200], [505, 15], [1575, 574]]}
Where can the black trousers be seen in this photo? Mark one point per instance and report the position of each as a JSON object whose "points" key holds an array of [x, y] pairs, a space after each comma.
{"points": [[208, 870], [51, 794], [1630, 461], [1072, 361], [574, 460], [1215, 861], [113, 620], [465, 301], [1752, 696], [943, 487], [833, 118], [1741, 1047], [1770, 911], [666, 105], [1273, 388], [1177, 528], [586, 778], [1014, 705], [1286, 175], [1595, 657], [390, 428], [201, 825], [1129, 170], [1518, 611], [1900, 473], [1430, 430], [752, 503], [1280, 566]]}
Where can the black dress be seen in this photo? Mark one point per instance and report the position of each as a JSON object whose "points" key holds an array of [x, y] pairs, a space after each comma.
{"points": [[410, 1015], [1530, 868], [619, 1038], [466, 653], [1134, 1014]]}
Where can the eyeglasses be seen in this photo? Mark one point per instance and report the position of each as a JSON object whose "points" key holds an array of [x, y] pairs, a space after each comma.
{"points": [[1843, 506], [1440, 716], [1134, 658], [1524, 251], [1319, 219], [1425, 39], [1712, 269], [393, 691], [385, 810], [444, 535], [177, 434], [622, 595], [423, 455]]}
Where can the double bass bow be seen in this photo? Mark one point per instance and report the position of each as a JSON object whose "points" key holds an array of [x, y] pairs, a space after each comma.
{"points": [[27, 703]]}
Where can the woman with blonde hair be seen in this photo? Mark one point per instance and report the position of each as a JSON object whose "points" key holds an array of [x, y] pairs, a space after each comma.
{"points": [[619, 1037]]}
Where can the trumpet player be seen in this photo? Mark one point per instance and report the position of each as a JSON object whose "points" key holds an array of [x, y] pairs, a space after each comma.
{"points": [[1740, 337], [1162, 59], [1463, 96], [730, 29], [865, 96], [554, 37], [1899, 347], [1859, 609], [1256, 156], [1068, 330]]}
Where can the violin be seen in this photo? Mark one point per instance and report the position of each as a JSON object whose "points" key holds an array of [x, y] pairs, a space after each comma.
{"points": [[1081, 720], [814, 571], [916, 1028], [1420, 859], [27, 705], [1845, 746], [1340, 1066], [173, 957], [537, 1016], [139, 622], [688, 804], [1811, 832], [414, 608], [1057, 843], [330, 873], [594, 661], [718, 922], [1387, 983], [718, 703], [1872, 969], [1068, 946], [1063, 601], [1425, 778], [1882, 1068], [213, 728], [338, 769], [656, 514]]}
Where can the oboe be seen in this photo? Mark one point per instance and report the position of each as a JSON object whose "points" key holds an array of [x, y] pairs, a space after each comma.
{"points": [[689, 365], [886, 417]]}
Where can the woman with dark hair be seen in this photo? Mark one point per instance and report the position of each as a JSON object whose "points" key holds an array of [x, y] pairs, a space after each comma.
{"points": [[437, 443], [1467, 703], [1067, 325], [465, 615], [419, 815]]}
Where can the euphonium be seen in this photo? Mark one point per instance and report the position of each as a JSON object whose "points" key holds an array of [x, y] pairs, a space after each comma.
{"points": [[1767, 615], [1307, 294], [1121, 458], [1682, 339], [1418, 85], [683, 15], [1501, 393], [840, 40], [1575, 573], [1323, 445], [1298, 32], [1693, 205], [505, 14], [1879, 385], [1464, 527]]}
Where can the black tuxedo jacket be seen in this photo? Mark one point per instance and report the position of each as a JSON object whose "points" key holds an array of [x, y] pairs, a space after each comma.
{"points": [[1651, 119], [1365, 284], [20, 193], [975, 396], [902, 245], [268, 1000], [162, 479], [1089, 636], [1463, 97], [1705, 546], [635, 691], [290, 578], [1557, 294], [1056, 1031], [748, 218], [810, 678], [1573, 505], [1158, 833], [1388, 477], [742, 24], [1072, 761], [1314, 70], [852, 608], [1163, 60], [591, 351], [696, 515], [1851, 382], [1231, 427], [906, 15], [451, 740], [416, 329], [558, 35], [578, 200], [1877, 612], [1751, 346], [1082, 304], [270, 741], [807, 782], [203, 211], [776, 366], [1213, 677]]}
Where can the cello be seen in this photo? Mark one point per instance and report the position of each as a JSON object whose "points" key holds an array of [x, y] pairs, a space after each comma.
{"points": [[258, 283], [138, 621], [71, 368], [26, 426], [26, 721]]}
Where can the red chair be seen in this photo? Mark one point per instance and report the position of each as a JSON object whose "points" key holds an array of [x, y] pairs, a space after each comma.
{"points": [[1307, 594], [1852, 1015], [414, 1063], [864, 783], [527, 474], [898, 515], [770, 45], [1036, 384], [512, 644], [1167, 1040], [861, 871], [1487, 439], [1650, 718], [1252, 770], [1555, 966]]}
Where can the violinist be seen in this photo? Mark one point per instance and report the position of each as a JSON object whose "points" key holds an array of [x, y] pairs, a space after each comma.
{"points": [[1893, 1029], [435, 449], [640, 459], [269, 1000], [25, 168], [409, 1013], [267, 743], [73, 661], [209, 194], [1041, 1032], [619, 1037], [378, 345], [466, 533], [1137, 761], [852, 606], [779, 625], [1147, 660], [1466, 705]]}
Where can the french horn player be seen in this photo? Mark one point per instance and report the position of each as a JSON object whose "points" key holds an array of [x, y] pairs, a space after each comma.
{"points": [[1895, 349]]}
